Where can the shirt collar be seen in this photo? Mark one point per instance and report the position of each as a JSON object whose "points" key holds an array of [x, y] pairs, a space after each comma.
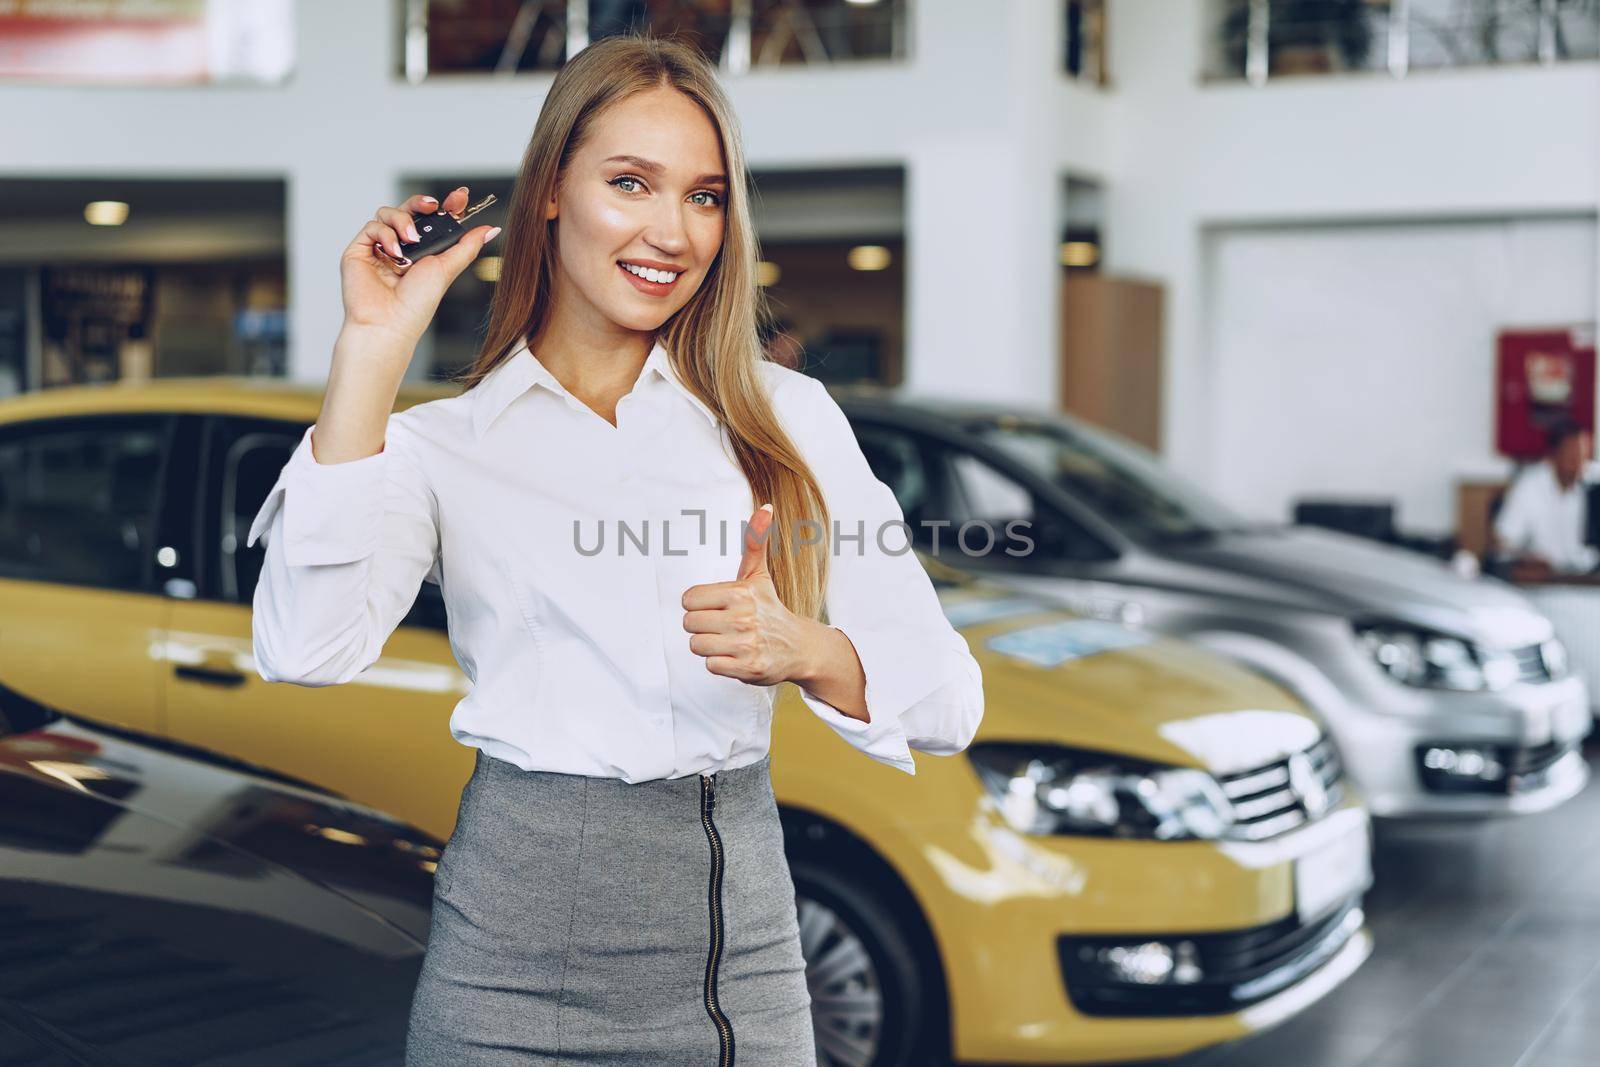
{"points": [[661, 363], [520, 371]]}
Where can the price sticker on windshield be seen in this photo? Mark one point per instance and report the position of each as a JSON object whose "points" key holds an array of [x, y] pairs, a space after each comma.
{"points": [[1056, 643], [977, 610]]}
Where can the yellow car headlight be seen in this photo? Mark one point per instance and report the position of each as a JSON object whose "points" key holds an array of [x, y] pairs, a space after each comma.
{"points": [[1043, 789]]}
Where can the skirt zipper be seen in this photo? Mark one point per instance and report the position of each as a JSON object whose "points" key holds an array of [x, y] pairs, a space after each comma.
{"points": [[708, 788]]}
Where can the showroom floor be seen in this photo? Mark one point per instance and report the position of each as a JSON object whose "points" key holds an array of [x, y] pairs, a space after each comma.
{"points": [[1487, 953]]}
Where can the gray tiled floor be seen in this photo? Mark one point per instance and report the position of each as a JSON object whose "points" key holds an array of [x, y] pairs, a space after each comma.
{"points": [[1487, 953]]}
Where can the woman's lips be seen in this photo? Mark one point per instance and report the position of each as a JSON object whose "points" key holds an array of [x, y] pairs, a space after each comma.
{"points": [[649, 288]]}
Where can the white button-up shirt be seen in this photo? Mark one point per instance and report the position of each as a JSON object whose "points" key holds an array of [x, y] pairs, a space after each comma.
{"points": [[563, 546], [1539, 516]]}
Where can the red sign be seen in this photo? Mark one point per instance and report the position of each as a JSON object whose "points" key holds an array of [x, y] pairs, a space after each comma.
{"points": [[1541, 376], [104, 41]]}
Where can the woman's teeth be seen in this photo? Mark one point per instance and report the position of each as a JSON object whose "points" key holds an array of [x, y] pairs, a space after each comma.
{"points": [[650, 274]]}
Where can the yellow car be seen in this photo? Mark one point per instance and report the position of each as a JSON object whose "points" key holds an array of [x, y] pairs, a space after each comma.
{"points": [[1144, 851]]}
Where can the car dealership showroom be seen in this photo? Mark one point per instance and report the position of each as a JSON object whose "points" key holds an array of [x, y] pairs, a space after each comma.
{"points": [[1202, 668]]}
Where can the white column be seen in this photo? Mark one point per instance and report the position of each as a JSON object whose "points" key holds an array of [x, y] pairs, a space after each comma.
{"points": [[981, 205], [1152, 218], [341, 168]]}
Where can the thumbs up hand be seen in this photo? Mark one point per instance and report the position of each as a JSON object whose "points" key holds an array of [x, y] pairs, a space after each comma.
{"points": [[754, 561], [741, 627]]}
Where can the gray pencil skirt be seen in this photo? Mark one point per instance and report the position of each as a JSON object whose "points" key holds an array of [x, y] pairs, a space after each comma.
{"points": [[581, 919]]}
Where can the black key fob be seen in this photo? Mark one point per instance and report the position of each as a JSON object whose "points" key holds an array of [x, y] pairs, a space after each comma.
{"points": [[439, 231]]}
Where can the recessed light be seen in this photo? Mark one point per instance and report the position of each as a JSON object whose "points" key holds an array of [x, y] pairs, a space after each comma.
{"points": [[106, 212], [869, 257], [487, 268], [1079, 254]]}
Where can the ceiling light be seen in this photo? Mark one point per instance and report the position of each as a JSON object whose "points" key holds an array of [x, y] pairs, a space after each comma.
{"points": [[487, 268], [106, 212], [869, 257], [1080, 254]]}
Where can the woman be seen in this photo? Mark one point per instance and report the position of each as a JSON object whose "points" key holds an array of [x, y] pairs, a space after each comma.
{"points": [[615, 889]]}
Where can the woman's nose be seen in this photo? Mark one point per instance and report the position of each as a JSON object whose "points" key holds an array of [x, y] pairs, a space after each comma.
{"points": [[669, 232]]}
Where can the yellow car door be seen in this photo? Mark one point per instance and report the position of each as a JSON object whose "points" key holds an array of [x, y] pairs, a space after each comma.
{"points": [[84, 554], [367, 740]]}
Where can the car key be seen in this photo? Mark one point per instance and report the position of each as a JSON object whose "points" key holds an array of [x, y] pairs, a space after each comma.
{"points": [[439, 231]]}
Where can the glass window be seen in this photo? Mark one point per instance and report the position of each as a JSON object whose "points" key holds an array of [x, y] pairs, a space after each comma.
{"points": [[1121, 482], [78, 501], [1264, 39], [1084, 52], [974, 494], [896, 462], [250, 466], [981, 492], [250, 456], [506, 37]]}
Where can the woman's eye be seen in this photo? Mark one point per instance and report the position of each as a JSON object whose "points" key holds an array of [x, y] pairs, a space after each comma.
{"points": [[716, 198]]}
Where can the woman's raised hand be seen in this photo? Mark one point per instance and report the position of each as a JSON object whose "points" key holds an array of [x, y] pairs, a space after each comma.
{"points": [[400, 302]]}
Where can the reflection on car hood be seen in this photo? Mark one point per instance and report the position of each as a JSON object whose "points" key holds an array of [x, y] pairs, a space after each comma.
{"points": [[1324, 570], [1086, 683], [158, 908], [364, 860]]}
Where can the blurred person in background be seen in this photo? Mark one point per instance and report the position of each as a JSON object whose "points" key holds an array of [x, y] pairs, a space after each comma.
{"points": [[781, 345], [1543, 523]]}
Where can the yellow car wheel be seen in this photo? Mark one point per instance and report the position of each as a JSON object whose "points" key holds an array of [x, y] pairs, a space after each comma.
{"points": [[875, 1000]]}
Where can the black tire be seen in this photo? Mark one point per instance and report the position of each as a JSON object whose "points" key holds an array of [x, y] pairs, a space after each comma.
{"points": [[847, 921]]}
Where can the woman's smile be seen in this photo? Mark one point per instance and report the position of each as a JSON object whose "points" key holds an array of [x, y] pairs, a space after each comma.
{"points": [[648, 280]]}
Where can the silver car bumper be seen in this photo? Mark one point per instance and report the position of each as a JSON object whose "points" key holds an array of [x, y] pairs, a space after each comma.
{"points": [[1535, 731], [1564, 780]]}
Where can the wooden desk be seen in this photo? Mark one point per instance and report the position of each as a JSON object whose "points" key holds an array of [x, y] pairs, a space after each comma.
{"points": [[1518, 577]]}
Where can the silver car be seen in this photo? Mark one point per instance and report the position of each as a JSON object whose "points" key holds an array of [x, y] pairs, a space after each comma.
{"points": [[1446, 695]]}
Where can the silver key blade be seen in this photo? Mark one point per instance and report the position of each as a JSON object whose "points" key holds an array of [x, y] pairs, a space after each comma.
{"points": [[475, 208]]}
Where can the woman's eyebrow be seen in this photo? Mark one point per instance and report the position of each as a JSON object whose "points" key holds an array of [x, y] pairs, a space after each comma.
{"points": [[653, 167]]}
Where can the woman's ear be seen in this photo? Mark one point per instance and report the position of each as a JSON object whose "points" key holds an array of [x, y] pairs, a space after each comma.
{"points": [[550, 209]]}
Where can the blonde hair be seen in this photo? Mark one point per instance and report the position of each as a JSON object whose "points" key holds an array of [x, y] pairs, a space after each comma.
{"points": [[713, 340]]}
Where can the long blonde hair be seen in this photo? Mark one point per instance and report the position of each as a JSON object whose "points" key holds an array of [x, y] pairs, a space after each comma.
{"points": [[713, 340]]}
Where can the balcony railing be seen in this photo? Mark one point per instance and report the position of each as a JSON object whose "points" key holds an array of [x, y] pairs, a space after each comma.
{"points": [[507, 37], [1259, 40]]}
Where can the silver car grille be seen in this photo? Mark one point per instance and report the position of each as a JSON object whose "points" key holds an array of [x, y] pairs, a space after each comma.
{"points": [[1278, 797], [1539, 663]]}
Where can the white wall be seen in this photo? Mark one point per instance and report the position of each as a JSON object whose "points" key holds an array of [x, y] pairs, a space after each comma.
{"points": [[1358, 361], [1188, 157]]}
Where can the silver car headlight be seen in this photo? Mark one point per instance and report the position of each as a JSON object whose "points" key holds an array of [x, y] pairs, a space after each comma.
{"points": [[1557, 663], [1042, 789], [1416, 656]]}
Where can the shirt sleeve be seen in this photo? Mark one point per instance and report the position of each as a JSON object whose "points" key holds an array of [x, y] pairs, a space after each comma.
{"points": [[347, 547], [1512, 525], [924, 688]]}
